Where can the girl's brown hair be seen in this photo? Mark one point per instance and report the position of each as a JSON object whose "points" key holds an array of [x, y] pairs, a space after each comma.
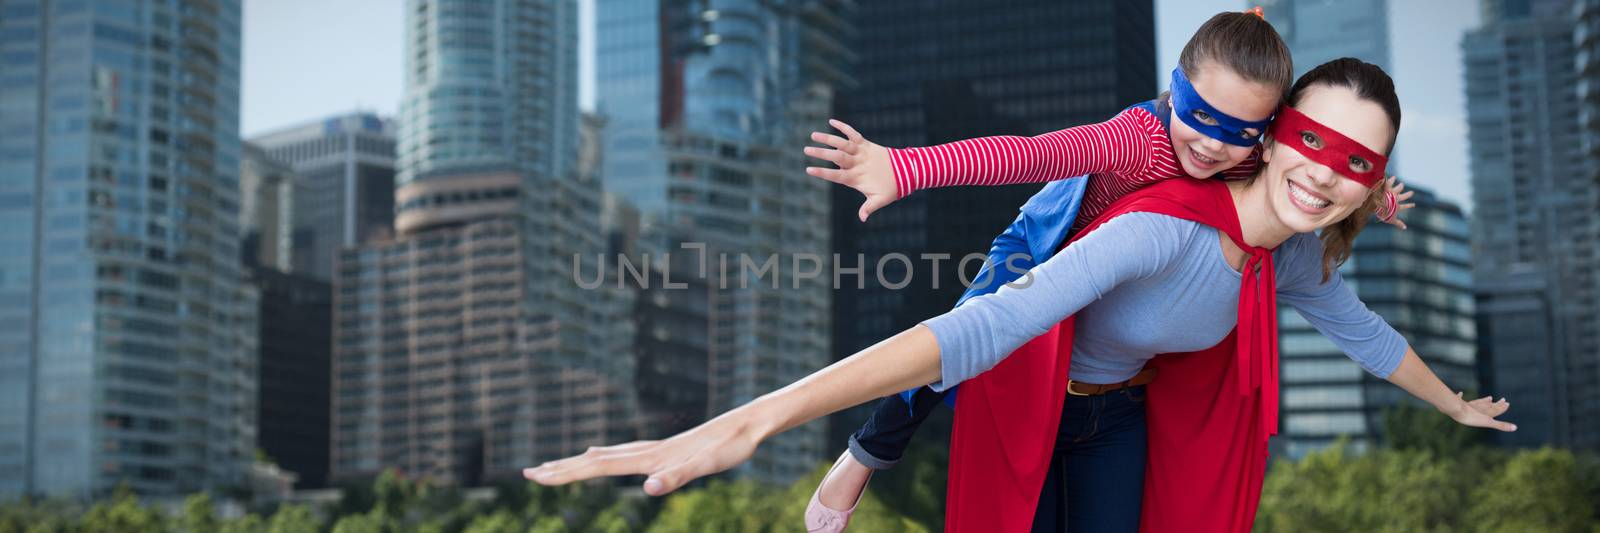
{"points": [[1370, 83], [1243, 43]]}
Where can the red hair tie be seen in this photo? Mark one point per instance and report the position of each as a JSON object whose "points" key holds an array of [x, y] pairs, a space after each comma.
{"points": [[1257, 11]]}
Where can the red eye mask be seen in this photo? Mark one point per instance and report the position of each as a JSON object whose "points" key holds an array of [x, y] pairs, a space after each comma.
{"points": [[1337, 151]]}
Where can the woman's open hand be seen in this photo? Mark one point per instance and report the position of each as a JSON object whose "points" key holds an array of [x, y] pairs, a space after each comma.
{"points": [[706, 449], [1483, 412], [863, 166]]}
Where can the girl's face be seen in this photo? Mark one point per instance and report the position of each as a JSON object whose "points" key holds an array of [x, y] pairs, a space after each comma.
{"points": [[1224, 89], [1307, 195]]}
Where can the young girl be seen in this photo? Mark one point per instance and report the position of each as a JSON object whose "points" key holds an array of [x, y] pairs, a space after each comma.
{"points": [[1232, 75]]}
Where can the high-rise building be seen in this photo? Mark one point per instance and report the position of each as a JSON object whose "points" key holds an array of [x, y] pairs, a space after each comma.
{"points": [[346, 168], [268, 192], [127, 344], [938, 72], [1319, 31], [294, 323], [1420, 281], [464, 349], [707, 106], [675, 326], [1586, 38], [1517, 359], [1534, 198], [296, 328]]}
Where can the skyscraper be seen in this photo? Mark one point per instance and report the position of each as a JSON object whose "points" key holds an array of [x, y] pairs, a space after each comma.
{"points": [[127, 344], [463, 348], [346, 168], [296, 329], [1420, 281], [1319, 31], [268, 192], [1586, 38], [936, 72], [1535, 197], [1517, 357], [675, 327], [707, 106], [294, 321]]}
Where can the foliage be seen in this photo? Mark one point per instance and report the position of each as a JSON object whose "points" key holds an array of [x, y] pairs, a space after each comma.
{"points": [[1425, 479]]}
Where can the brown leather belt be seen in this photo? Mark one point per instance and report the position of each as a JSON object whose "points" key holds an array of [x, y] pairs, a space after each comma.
{"points": [[1075, 388]]}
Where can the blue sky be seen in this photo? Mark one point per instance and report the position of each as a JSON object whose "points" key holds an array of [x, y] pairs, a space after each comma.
{"points": [[307, 59]]}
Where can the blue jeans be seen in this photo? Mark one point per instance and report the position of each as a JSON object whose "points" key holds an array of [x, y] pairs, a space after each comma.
{"points": [[882, 441], [1096, 478]]}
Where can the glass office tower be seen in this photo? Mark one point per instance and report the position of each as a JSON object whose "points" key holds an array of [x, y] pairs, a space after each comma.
{"points": [[126, 335]]}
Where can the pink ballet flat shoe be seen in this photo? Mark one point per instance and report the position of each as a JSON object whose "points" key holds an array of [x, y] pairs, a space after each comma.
{"points": [[820, 518]]}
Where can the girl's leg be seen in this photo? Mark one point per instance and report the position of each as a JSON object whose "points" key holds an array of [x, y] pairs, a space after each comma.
{"points": [[882, 440], [878, 445]]}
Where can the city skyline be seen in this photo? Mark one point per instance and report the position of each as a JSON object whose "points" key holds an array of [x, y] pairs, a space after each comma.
{"points": [[366, 74], [162, 250]]}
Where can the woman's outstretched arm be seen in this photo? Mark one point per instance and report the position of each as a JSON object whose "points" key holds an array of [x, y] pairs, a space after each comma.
{"points": [[974, 338], [909, 359], [1414, 376], [1335, 310]]}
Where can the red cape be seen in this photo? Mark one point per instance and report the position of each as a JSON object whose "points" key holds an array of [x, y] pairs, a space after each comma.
{"points": [[1209, 412]]}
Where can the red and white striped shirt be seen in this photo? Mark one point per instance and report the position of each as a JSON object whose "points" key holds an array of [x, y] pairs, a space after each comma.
{"points": [[1121, 155]]}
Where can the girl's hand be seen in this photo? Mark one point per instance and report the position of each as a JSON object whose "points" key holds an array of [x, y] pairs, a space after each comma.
{"points": [[1482, 413], [1394, 202], [863, 166], [712, 447]]}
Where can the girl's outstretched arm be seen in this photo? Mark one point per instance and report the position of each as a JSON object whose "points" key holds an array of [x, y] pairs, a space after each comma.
{"points": [[1118, 147], [906, 360]]}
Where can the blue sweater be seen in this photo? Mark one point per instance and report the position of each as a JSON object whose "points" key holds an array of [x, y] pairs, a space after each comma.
{"points": [[1145, 284]]}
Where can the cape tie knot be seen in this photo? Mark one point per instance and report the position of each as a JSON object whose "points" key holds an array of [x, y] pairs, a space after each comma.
{"points": [[1257, 343]]}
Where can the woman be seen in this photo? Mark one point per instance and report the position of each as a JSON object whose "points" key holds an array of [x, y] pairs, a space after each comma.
{"points": [[1199, 245]]}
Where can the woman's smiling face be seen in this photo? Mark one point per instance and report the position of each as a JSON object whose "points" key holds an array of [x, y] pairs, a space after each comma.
{"points": [[1307, 195]]}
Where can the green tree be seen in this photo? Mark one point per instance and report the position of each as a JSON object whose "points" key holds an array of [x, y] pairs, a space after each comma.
{"points": [[122, 514], [250, 523], [1408, 427], [293, 519], [611, 520], [1334, 490], [718, 507], [199, 516], [393, 495], [359, 523], [502, 521], [549, 524], [42, 516], [1539, 490]]}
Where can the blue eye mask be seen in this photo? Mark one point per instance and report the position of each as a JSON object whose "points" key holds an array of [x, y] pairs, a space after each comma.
{"points": [[1186, 102]]}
